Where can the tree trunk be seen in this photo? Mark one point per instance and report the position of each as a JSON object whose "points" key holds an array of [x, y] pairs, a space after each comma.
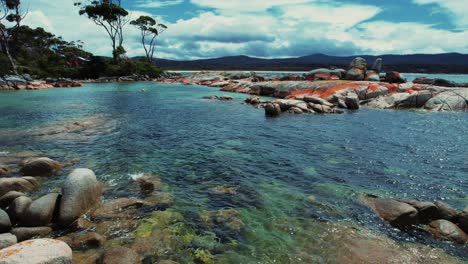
{"points": [[6, 49]]}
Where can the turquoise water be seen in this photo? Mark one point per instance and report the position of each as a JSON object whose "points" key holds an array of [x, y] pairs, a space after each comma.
{"points": [[292, 175]]}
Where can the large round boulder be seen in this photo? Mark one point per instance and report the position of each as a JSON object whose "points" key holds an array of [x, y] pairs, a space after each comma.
{"points": [[41, 211], [446, 230], [39, 167], [81, 192], [38, 251], [5, 223]]}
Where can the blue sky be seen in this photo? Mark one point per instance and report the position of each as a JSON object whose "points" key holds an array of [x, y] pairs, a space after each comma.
{"points": [[274, 28]]}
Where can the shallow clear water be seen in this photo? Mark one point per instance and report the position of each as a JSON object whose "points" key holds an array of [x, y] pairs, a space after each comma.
{"points": [[276, 165]]}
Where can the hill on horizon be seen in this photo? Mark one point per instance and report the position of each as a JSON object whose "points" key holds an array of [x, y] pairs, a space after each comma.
{"points": [[418, 63]]}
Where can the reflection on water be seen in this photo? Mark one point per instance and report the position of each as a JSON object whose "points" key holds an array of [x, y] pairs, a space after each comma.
{"points": [[247, 188]]}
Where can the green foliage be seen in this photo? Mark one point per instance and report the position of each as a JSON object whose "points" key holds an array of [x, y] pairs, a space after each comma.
{"points": [[43, 54], [104, 10], [150, 29]]}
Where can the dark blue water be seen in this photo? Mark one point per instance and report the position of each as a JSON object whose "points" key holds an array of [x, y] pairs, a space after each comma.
{"points": [[275, 164]]}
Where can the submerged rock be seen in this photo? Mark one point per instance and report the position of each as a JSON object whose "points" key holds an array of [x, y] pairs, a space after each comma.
{"points": [[39, 251], [447, 230], [120, 255], [39, 167], [81, 192]]}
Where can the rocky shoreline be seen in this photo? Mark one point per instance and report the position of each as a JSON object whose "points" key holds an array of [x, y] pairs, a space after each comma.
{"points": [[75, 224], [335, 90], [26, 82]]}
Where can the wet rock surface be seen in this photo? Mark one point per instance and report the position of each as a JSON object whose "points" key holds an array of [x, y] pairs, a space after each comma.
{"points": [[441, 220], [80, 192], [39, 251]]}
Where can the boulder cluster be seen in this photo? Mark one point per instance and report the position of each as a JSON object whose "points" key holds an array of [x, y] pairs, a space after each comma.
{"points": [[437, 218], [23, 218], [26, 82]]}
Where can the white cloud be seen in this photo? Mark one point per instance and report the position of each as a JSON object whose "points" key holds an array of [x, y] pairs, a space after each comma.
{"points": [[456, 8], [275, 28], [157, 4], [246, 6]]}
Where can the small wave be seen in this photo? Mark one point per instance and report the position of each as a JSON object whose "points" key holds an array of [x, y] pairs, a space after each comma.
{"points": [[4, 153], [136, 176]]}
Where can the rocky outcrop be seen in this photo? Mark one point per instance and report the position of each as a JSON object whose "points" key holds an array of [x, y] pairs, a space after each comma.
{"points": [[25, 82], [443, 221], [449, 100], [39, 167], [272, 109], [80, 192], [39, 251], [396, 213], [357, 70]]}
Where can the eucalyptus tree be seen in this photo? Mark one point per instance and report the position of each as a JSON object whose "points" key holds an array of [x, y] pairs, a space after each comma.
{"points": [[110, 15], [10, 14], [149, 29]]}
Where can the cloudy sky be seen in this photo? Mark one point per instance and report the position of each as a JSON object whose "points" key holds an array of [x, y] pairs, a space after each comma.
{"points": [[273, 28]]}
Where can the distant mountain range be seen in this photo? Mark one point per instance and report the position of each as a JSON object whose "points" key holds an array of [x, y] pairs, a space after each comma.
{"points": [[420, 63]]}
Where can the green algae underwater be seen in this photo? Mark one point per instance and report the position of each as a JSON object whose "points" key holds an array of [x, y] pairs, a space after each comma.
{"points": [[242, 188]]}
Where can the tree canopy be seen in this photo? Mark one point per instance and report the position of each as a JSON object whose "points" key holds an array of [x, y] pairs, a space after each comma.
{"points": [[149, 29], [111, 16]]}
